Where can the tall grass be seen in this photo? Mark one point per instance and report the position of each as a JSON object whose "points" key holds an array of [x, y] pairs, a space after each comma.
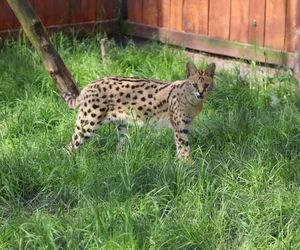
{"points": [[242, 192]]}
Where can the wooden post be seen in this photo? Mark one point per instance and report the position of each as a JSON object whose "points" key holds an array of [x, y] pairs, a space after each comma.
{"points": [[36, 32], [103, 51], [297, 41]]}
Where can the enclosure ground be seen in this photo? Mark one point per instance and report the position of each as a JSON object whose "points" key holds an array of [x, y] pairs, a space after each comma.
{"points": [[241, 192]]}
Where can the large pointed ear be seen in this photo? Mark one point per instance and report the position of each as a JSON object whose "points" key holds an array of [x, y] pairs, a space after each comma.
{"points": [[210, 69], [190, 69]]}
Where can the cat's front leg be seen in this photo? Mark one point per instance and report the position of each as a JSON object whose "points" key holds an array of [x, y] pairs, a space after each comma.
{"points": [[181, 129], [182, 144]]}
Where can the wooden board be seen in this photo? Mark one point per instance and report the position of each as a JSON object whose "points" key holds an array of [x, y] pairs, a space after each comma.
{"points": [[111, 8], [74, 10], [88, 10], [239, 27], [150, 12], [176, 15], [257, 10], [219, 18], [164, 8], [212, 45], [297, 38], [134, 10], [195, 16], [275, 23], [62, 16], [46, 12], [290, 31], [6, 16]]}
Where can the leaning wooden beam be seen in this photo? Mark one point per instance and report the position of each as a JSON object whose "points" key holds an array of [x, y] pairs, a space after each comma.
{"points": [[36, 32]]}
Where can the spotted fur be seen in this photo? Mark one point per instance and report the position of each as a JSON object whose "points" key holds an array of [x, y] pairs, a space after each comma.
{"points": [[130, 100]]}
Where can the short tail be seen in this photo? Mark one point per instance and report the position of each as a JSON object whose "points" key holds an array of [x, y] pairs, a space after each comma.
{"points": [[72, 101]]}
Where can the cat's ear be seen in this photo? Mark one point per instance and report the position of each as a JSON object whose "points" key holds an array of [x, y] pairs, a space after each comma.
{"points": [[191, 69], [210, 69]]}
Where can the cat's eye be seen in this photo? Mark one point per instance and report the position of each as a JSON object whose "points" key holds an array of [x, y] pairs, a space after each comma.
{"points": [[206, 85]]}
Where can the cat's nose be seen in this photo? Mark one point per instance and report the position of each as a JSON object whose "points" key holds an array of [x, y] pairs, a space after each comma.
{"points": [[200, 95]]}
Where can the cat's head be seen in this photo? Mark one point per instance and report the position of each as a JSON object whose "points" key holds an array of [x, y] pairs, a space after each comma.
{"points": [[200, 80]]}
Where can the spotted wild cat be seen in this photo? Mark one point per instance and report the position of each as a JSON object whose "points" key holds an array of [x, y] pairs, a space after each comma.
{"points": [[130, 100]]}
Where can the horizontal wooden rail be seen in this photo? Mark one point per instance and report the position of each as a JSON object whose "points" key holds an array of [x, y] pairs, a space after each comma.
{"points": [[211, 45], [82, 28]]}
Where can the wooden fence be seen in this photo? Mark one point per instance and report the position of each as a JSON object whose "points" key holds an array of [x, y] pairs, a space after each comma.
{"points": [[64, 13], [264, 30]]}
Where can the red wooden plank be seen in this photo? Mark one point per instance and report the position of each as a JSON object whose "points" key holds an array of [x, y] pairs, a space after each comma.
{"points": [[257, 21], [219, 18], [150, 12], [62, 13], [49, 9], [134, 8], [106, 9], [6, 16], [164, 8], [88, 10], [297, 42], [195, 16], [290, 30], [239, 20], [75, 13], [176, 14], [275, 23]]}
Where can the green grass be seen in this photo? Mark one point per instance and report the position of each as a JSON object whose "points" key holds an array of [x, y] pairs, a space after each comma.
{"points": [[242, 192]]}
